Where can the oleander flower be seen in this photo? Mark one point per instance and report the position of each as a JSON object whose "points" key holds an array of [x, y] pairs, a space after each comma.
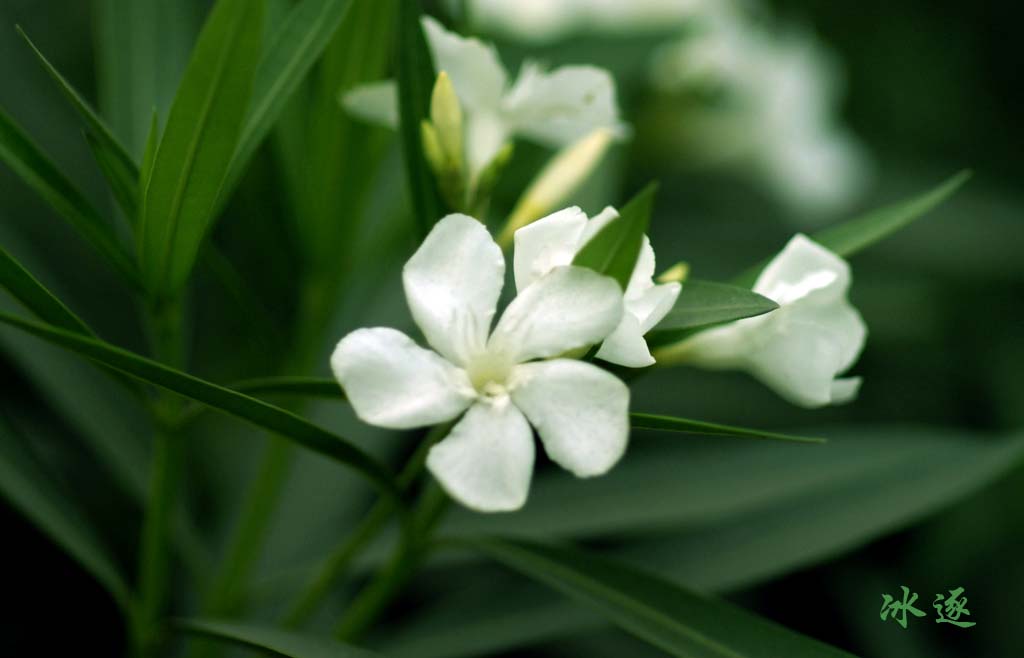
{"points": [[554, 240], [499, 381], [553, 108], [799, 349]]}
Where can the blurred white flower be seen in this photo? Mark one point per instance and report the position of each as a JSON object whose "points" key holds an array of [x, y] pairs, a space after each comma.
{"points": [[775, 116], [554, 108], [553, 241], [799, 349], [548, 20], [452, 284]]}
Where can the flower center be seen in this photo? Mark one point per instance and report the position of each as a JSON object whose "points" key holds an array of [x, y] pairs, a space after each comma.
{"points": [[489, 374]]}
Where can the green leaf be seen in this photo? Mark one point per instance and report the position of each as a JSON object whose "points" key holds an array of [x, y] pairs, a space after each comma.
{"points": [[704, 303], [686, 426], [222, 399], [36, 298], [117, 166], [34, 494], [271, 641], [616, 247], [714, 517], [850, 237], [294, 49], [415, 77], [198, 143], [662, 613], [36, 170], [305, 386]]}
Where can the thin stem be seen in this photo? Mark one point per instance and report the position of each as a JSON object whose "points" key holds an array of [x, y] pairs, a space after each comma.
{"points": [[338, 562], [165, 324]]}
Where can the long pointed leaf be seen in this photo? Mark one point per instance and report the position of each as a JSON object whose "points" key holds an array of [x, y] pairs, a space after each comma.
{"points": [[39, 173], [415, 78], [703, 303], [662, 613], [270, 640], [31, 491], [222, 399], [27, 290], [641, 421], [198, 143]]}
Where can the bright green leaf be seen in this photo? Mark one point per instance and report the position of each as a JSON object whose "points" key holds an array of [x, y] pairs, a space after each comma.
{"points": [[415, 83], [222, 399], [703, 303], [36, 170], [198, 143], [660, 612], [272, 641], [33, 493], [686, 426], [616, 247]]}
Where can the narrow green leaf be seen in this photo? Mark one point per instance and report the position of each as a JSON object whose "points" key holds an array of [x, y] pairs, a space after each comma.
{"points": [[272, 641], [198, 143], [657, 611], [319, 387], [222, 399], [39, 173], [295, 47], [117, 166], [616, 247], [719, 518], [703, 303], [148, 159], [415, 78], [685, 425], [32, 492], [850, 237], [36, 298]]}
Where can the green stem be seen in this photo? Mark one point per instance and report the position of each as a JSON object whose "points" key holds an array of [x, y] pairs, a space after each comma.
{"points": [[341, 558], [155, 560]]}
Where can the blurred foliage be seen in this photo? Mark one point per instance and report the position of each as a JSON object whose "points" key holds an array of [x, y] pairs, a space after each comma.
{"points": [[930, 89]]}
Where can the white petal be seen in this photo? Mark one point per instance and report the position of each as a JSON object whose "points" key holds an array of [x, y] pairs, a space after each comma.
{"points": [[487, 460], [486, 133], [653, 304], [393, 382], [474, 67], [598, 222], [801, 269], [452, 284], [581, 413], [547, 243], [376, 102], [626, 345], [845, 389], [567, 308], [559, 107]]}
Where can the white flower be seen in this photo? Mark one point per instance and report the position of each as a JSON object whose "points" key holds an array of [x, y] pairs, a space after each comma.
{"points": [[452, 284], [800, 348], [554, 108], [554, 240]]}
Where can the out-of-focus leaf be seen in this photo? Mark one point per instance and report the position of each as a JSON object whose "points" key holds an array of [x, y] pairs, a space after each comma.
{"points": [[142, 49], [148, 158], [616, 247], [32, 492], [117, 166], [415, 77], [225, 400], [741, 515], [853, 235], [703, 303], [293, 50], [272, 641], [641, 421], [658, 611], [29, 163], [196, 149], [36, 298], [341, 155]]}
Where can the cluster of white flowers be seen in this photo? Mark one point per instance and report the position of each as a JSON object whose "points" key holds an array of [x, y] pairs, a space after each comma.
{"points": [[495, 378]]}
